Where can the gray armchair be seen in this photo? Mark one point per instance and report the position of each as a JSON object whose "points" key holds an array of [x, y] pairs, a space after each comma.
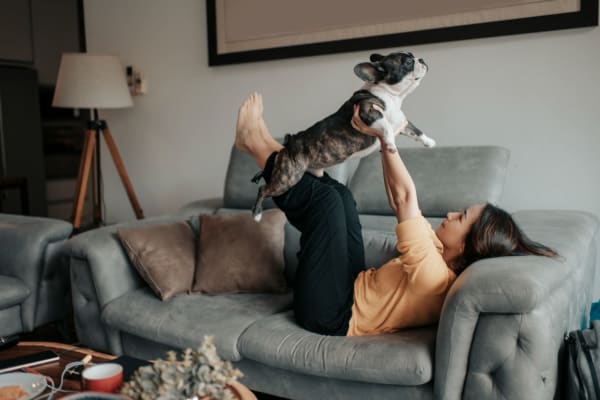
{"points": [[34, 277]]}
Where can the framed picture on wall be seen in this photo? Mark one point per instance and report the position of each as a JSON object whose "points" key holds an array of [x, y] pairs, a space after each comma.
{"points": [[245, 31]]}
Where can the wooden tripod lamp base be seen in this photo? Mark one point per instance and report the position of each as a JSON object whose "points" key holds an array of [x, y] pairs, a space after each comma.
{"points": [[89, 145]]}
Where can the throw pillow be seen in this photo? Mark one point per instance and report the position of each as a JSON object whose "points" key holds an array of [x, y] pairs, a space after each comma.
{"points": [[164, 255], [237, 254]]}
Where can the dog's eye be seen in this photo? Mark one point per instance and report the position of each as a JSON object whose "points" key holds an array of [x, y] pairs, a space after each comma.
{"points": [[409, 62]]}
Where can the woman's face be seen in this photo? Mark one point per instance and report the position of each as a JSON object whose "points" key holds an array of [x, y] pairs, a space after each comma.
{"points": [[453, 231]]}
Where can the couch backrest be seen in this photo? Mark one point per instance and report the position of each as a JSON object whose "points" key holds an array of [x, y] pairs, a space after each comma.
{"points": [[447, 179], [240, 191]]}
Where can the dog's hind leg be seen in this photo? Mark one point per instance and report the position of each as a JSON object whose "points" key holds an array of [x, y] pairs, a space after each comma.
{"points": [[257, 209], [285, 174]]}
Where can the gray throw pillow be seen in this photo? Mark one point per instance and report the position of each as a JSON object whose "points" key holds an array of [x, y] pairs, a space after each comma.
{"points": [[237, 254], [164, 255]]}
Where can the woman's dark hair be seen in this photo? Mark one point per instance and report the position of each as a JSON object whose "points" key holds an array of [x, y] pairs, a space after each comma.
{"points": [[496, 234]]}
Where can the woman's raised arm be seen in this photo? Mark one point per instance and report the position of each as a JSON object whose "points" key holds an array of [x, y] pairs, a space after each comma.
{"points": [[399, 186]]}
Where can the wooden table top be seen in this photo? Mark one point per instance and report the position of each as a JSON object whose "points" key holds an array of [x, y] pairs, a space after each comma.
{"points": [[67, 353]]}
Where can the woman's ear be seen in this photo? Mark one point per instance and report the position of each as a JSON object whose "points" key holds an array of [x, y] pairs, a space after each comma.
{"points": [[368, 72]]}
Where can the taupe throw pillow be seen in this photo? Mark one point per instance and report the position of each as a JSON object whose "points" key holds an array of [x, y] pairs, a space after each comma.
{"points": [[237, 254], [164, 255]]}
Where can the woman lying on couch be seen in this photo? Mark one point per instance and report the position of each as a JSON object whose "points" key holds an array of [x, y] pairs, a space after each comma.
{"points": [[334, 293]]}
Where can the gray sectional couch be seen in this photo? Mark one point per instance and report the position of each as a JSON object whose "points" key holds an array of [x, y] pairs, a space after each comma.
{"points": [[500, 332]]}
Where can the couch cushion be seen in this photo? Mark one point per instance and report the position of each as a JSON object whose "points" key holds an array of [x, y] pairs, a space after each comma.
{"points": [[164, 255], [403, 358], [238, 255], [184, 320], [12, 291], [447, 178], [380, 247], [379, 237]]}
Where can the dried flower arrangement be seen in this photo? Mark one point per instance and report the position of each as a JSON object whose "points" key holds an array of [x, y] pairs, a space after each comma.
{"points": [[197, 375]]}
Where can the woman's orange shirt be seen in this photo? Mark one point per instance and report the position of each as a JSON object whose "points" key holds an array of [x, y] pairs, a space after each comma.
{"points": [[407, 291]]}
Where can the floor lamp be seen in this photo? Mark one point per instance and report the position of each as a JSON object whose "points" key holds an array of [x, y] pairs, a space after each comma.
{"points": [[90, 81]]}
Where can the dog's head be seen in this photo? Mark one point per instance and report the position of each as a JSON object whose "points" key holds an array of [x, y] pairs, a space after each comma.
{"points": [[400, 72]]}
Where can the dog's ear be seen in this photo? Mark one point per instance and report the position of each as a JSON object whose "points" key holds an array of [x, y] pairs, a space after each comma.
{"points": [[376, 57], [369, 72]]}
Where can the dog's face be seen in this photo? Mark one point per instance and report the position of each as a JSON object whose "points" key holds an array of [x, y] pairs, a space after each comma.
{"points": [[400, 72]]}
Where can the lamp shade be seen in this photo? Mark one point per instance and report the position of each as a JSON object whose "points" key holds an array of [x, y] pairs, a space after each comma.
{"points": [[91, 81]]}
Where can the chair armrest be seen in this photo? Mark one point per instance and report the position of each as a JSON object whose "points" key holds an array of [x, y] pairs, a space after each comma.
{"points": [[23, 248], [23, 240]]}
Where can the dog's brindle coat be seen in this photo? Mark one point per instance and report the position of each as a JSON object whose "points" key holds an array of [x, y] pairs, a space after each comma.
{"points": [[333, 139]]}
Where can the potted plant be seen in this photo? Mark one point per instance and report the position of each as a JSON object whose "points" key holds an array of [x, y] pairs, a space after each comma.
{"points": [[195, 375]]}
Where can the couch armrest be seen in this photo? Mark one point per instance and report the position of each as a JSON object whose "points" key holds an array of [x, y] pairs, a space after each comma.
{"points": [[110, 269], [100, 273], [492, 290], [24, 241]]}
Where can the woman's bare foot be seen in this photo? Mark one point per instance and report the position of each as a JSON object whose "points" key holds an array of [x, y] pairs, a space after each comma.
{"points": [[247, 130], [267, 135], [251, 133]]}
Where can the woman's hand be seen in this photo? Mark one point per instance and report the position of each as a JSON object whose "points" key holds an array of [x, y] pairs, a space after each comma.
{"points": [[359, 125], [399, 186]]}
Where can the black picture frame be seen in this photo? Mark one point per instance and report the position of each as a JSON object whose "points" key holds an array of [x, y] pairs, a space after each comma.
{"points": [[587, 16]]}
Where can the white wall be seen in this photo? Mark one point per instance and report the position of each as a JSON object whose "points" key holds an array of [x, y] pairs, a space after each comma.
{"points": [[536, 94]]}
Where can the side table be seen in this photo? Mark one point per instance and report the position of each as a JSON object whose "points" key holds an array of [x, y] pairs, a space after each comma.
{"points": [[67, 354]]}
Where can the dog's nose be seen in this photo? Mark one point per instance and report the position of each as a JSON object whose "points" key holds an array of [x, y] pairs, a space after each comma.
{"points": [[423, 62]]}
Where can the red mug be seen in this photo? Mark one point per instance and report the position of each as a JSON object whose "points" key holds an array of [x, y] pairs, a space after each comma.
{"points": [[105, 377]]}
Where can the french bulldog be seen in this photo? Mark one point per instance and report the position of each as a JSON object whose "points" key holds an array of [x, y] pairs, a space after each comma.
{"points": [[387, 81]]}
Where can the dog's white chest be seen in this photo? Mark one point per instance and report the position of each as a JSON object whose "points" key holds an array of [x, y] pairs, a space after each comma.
{"points": [[393, 114]]}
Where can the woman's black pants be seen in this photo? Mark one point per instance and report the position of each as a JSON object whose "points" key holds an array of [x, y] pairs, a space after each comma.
{"points": [[331, 250]]}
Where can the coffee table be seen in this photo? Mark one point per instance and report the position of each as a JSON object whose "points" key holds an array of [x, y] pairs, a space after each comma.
{"points": [[67, 353]]}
